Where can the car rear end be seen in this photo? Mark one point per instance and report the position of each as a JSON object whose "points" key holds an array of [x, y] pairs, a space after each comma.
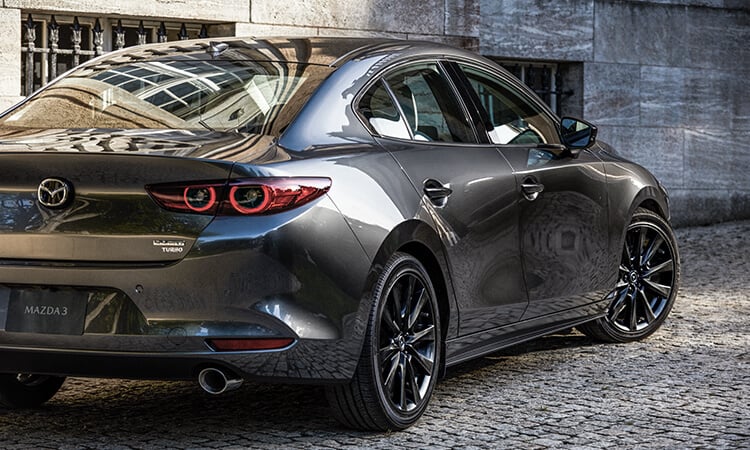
{"points": [[147, 238]]}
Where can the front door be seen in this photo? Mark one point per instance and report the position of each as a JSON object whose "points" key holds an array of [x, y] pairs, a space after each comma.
{"points": [[562, 200]]}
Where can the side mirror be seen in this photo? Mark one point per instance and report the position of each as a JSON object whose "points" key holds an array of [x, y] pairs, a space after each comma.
{"points": [[577, 134]]}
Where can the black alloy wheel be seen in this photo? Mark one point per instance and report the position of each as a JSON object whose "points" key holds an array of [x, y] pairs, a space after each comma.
{"points": [[647, 283], [400, 360], [25, 390]]}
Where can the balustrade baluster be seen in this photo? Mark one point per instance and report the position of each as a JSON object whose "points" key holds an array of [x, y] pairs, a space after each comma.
{"points": [[54, 40], [98, 38], [119, 35], [76, 38]]}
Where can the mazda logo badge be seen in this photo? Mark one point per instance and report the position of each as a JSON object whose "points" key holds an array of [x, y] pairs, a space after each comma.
{"points": [[54, 192]]}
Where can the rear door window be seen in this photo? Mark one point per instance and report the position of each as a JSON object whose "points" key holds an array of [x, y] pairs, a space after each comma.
{"points": [[429, 104]]}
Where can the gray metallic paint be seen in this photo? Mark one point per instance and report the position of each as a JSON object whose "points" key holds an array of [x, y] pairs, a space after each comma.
{"points": [[307, 273]]}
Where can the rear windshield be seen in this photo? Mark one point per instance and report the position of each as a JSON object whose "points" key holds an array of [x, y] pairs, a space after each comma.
{"points": [[246, 96]]}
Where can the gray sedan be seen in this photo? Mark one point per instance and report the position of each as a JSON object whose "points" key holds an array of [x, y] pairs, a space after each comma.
{"points": [[355, 212]]}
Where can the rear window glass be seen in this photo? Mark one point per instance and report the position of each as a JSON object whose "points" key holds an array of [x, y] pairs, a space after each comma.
{"points": [[246, 96]]}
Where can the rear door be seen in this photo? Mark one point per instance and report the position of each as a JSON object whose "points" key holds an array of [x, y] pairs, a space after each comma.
{"points": [[468, 189], [562, 200]]}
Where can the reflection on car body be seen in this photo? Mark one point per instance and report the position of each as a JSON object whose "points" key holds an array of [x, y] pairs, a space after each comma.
{"points": [[356, 212]]}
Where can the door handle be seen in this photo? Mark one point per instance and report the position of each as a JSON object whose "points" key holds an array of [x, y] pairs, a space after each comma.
{"points": [[531, 188], [436, 191]]}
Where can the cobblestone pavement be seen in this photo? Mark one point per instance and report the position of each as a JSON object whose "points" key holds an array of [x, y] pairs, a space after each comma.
{"points": [[687, 386]]}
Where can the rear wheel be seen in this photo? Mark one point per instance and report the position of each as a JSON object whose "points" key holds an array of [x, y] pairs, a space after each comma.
{"points": [[398, 368], [26, 390], [647, 282]]}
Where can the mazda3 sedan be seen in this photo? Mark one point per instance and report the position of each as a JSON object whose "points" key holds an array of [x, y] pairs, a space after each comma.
{"points": [[354, 212]]}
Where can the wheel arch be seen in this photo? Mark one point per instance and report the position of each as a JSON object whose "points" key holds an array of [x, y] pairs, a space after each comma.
{"points": [[421, 241], [650, 198]]}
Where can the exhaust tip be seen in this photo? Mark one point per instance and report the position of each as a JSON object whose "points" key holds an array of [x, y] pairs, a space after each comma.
{"points": [[216, 381]]}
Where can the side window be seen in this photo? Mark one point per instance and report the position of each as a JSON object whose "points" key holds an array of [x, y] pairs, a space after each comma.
{"points": [[377, 107], [514, 119], [427, 100]]}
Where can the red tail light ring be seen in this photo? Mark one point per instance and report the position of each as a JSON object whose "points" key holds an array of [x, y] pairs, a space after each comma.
{"points": [[250, 199], [199, 198]]}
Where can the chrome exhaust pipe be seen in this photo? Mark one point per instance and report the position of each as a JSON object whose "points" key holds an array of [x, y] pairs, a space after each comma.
{"points": [[216, 381]]}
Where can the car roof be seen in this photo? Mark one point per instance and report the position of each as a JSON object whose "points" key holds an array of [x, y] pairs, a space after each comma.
{"points": [[328, 51]]}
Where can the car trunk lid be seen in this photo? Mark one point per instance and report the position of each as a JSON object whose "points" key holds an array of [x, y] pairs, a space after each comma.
{"points": [[110, 217]]}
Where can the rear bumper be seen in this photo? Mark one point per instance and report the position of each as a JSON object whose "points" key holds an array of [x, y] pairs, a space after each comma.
{"points": [[305, 361], [272, 276]]}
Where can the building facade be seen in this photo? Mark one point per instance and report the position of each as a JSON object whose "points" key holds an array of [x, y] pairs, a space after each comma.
{"points": [[663, 79]]}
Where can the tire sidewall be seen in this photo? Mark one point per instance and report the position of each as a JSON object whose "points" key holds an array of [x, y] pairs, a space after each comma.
{"points": [[399, 265]]}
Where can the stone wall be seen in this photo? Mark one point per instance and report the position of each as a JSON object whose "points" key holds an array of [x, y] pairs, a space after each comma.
{"points": [[665, 80]]}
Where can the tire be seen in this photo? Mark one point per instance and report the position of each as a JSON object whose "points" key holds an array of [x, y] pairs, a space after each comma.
{"points": [[647, 282], [27, 390], [403, 337]]}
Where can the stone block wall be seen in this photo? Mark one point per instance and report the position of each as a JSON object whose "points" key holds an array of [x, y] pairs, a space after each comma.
{"points": [[665, 80]]}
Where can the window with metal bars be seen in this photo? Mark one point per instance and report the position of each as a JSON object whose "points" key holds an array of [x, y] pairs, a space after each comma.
{"points": [[556, 83], [52, 45]]}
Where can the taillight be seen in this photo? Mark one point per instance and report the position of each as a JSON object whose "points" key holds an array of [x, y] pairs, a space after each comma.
{"points": [[239, 197]]}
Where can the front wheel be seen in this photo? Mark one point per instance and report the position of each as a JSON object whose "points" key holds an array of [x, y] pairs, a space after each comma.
{"points": [[24, 390], [647, 283], [399, 365]]}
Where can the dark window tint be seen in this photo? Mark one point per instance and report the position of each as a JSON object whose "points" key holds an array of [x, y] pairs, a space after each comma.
{"points": [[514, 119], [429, 104], [378, 109]]}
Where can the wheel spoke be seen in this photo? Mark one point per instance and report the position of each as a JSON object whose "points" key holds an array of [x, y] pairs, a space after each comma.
{"points": [[386, 353], [391, 373], [641, 244], [402, 371], [650, 316], [396, 295], [619, 305], [660, 289], [408, 300], [414, 381], [633, 313], [652, 248], [428, 331], [628, 253], [417, 310], [425, 362], [388, 320], [665, 266]]}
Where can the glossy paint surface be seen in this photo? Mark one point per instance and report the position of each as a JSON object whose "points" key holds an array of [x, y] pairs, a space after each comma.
{"points": [[506, 267]]}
